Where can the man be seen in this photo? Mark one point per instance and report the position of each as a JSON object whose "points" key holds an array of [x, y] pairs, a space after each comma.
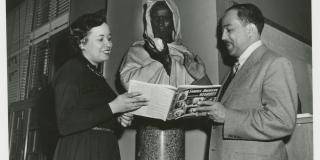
{"points": [[258, 106]]}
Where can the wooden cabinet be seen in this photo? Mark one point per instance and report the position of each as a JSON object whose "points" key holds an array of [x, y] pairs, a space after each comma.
{"points": [[32, 130], [23, 133]]}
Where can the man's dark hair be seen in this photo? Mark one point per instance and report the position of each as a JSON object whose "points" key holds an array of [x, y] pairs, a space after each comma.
{"points": [[249, 13], [81, 26]]}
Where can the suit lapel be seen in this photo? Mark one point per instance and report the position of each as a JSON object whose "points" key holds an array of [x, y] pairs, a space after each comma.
{"points": [[244, 71]]}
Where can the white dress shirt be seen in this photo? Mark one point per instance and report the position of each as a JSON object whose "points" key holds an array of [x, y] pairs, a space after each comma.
{"points": [[245, 55]]}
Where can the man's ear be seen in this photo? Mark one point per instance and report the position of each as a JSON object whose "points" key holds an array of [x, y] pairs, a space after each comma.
{"points": [[252, 29]]}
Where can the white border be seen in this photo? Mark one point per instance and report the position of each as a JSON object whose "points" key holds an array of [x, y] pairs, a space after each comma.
{"points": [[316, 75], [4, 145]]}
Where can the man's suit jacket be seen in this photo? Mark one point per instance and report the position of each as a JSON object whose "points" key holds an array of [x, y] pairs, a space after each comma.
{"points": [[261, 103]]}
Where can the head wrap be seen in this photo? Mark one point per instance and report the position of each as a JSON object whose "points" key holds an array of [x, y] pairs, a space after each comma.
{"points": [[176, 35]]}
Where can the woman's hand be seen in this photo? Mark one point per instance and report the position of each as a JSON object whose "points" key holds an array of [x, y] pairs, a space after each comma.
{"points": [[125, 119], [127, 102]]}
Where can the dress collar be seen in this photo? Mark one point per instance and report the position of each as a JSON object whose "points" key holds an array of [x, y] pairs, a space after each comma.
{"points": [[90, 66]]}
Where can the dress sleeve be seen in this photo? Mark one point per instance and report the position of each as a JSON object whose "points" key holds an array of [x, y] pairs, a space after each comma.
{"points": [[138, 65], [275, 118], [76, 112]]}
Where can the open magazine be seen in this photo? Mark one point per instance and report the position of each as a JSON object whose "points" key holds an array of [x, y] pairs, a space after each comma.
{"points": [[167, 102]]}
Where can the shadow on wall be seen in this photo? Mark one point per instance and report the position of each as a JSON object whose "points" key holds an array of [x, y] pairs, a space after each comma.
{"points": [[300, 54]]}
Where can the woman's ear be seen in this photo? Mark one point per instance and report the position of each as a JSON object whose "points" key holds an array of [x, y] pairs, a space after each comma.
{"points": [[82, 43], [81, 46]]}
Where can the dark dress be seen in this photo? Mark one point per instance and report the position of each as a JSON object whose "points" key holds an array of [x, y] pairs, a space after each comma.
{"points": [[82, 97]]}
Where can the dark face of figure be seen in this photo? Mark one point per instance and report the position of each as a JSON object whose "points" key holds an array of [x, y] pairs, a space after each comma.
{"points": [[162, 22]]}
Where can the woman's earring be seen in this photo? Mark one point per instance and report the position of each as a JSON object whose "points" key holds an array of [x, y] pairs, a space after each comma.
{"points": [[81, 46], [83, 41]]}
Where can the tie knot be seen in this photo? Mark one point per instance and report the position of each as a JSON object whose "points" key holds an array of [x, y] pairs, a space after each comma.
{"points": [[235, 67]]}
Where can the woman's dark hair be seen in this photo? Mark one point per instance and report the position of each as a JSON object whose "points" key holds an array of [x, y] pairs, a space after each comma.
{"points": [[81, 26], [249, 13]]}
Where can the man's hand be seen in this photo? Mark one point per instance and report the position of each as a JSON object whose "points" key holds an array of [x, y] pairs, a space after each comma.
{"points": [[125, 119], [195, 66], [214, 110]]}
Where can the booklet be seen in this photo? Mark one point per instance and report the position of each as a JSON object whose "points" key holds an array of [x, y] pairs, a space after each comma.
{"points": [[167, 102]]}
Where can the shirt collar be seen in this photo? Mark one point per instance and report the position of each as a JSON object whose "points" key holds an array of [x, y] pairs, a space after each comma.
{"points": [[245, 55]]}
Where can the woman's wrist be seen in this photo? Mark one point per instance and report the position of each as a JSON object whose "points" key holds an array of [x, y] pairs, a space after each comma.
{"points": [[113, 107]]}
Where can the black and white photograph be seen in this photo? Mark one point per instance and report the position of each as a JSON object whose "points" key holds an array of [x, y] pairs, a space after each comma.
{"points": [[66, 94]]}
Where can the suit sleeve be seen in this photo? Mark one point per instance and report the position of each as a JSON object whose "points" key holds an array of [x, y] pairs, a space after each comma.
{"points": [[75, 114], [276, 116]]}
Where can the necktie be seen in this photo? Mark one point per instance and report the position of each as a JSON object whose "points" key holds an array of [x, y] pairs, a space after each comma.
{"points": [[229, 79]]}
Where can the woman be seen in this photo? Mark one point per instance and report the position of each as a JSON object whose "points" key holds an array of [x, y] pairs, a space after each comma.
{"points": [[86, 106]]}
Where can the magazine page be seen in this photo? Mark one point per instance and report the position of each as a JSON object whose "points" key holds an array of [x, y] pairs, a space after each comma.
{"points": [[188, 96], [159, 96]]}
